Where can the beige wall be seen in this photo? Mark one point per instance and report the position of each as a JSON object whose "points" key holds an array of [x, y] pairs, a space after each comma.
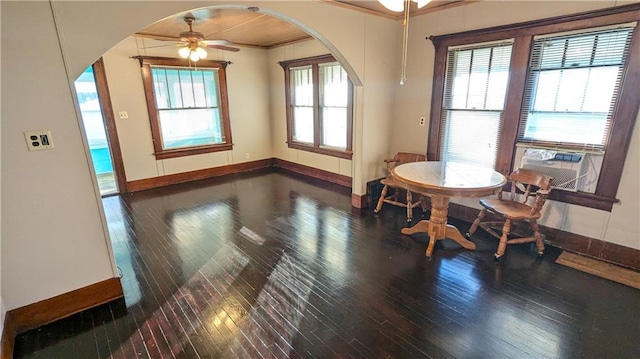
{"points": [[622, 225]]}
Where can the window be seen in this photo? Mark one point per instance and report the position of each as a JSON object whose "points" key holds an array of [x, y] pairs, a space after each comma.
{"points": [[475, 89], [319, 106], [188, 107], [575, 89], [572, 89]]}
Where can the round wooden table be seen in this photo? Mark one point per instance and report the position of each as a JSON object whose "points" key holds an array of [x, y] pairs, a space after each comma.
{"points": [[441, 181]]}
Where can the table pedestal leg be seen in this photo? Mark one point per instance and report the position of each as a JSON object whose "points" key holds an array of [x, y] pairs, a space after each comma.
{"points": [[437, 228]]}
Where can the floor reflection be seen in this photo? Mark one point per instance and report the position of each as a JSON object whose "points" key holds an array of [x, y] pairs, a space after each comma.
{"points": [[172, 324], [274, 319]]}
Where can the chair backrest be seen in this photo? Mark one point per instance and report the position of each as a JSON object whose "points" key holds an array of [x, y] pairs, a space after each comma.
{"points": [[403, 157], [526, 180], [407, 157]]}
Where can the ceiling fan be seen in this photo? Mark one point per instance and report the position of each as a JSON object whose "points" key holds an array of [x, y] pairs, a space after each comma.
{"points": [[192, 43]]}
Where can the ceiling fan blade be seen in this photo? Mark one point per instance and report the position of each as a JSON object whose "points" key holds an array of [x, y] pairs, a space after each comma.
{"points": [[224, 47], [156, 46], [216, 42]]}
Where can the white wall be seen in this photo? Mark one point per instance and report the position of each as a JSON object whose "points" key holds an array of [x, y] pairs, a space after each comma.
{"points": [[52, 235], [248, 93], [413, 100]]}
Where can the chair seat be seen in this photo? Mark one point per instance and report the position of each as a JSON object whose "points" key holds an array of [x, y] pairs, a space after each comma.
{"points": [[509, 209], [391, 182]]}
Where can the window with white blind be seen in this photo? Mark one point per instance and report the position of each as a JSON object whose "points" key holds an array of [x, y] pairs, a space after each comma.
{"points": [[475, 89], [319, 106], [571, 83], [188, 107], [572, 88]]}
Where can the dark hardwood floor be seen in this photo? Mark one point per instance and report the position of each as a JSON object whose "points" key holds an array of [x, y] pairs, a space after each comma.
{"points": [[271, 265]]}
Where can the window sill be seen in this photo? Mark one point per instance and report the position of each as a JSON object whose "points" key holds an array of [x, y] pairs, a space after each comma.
{"points": [[348, 154], [180, 152], [583, 199]]}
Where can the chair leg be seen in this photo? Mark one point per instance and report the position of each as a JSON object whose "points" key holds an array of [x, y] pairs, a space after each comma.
{"points": [[538, 237], [476, 223], [503, 239], [409, 207], [381, 200]]}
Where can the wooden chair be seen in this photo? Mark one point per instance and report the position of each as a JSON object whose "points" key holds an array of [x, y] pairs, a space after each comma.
{"points": [[513, 210], [390, 183]]}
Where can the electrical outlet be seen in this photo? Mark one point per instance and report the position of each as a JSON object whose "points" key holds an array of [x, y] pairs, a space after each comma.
{"points": [[123, 114], [422, 121], [246, 155], [39, 140]]}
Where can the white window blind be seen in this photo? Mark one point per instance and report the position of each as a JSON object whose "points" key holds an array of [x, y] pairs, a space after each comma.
{"points": [[572, 88], [475, 90]]}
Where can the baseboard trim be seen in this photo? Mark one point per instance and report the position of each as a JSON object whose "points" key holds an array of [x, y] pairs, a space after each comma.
{"points": [[338, 179], [161, 181], [49, 310], [359, 200], [587, 246]]}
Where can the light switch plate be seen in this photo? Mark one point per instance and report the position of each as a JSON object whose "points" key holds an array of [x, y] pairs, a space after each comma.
{"points": [[39, 140]]}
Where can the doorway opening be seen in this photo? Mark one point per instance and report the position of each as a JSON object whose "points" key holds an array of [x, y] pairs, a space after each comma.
{"points": [[95, 126]]}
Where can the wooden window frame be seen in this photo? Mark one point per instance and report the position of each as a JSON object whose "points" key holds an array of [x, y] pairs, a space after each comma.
{"points": [[315, 61], [624, 114], [146, 62]]}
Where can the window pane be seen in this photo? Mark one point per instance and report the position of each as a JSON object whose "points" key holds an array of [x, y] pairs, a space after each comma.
{"points": [[334, 98], [471, 137], [579, 128], [199, 91], [478, 78], [187, 128], [175, 92], [570, 92], [600, 91], [334, 87], [303, 124], [160, 87], [460, 80], [210, 78], [186, 88], [498, 78], [334, 127], [302, 86]]}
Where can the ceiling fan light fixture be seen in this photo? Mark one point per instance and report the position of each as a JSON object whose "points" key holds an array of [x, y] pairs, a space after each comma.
{"points": [[194, 56], [184, 52], [398, 5], [393, 5], [202, 53]]}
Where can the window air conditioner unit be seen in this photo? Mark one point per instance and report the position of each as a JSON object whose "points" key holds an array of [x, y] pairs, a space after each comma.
{"points": [[566, 168]]}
